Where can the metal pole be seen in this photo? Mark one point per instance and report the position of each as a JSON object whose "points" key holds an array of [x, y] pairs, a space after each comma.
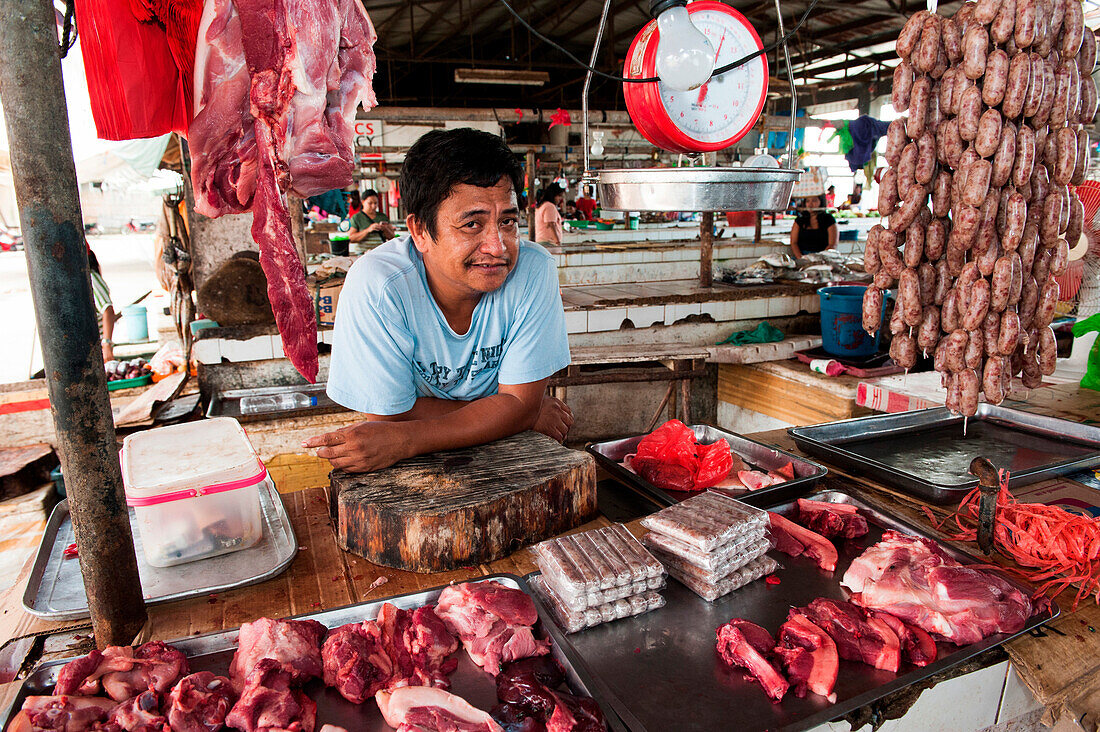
{"points": [[532, 173], [57, 262], [706, 248]]}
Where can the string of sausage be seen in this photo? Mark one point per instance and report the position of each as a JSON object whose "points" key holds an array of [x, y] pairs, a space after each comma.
{"points": [[996, 99]]}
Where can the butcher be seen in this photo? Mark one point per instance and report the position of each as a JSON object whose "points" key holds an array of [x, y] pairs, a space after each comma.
{"points": [[446, 337]]}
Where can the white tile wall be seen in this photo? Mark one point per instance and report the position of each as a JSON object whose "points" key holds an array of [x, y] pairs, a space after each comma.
{"points": [[609, 319], [721, 311], [779, 307], [208, 351], [277, 344], [645, 316], [253, 349], [752, 309], [576, 321], [679, 311]]}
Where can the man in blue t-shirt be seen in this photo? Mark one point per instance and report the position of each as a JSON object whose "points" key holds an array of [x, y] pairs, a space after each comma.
{"points": [[447, 337]]}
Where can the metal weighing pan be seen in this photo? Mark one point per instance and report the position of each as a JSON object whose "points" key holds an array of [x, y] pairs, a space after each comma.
{"points": [[661, 671], [696, 189], [56, 589], [213, 652], [926, 453], [228, 403], [610, 455]]}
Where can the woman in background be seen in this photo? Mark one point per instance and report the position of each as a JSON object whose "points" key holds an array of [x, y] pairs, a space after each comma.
{"points": [[547, 216], [369, 226], [814, 229]]}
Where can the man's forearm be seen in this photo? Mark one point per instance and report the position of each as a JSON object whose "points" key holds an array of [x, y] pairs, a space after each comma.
{"points": [[474, 423]]}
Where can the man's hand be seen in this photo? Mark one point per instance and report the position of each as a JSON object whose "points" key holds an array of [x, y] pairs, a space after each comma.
{"points": [[555, 418], [363, 447]]}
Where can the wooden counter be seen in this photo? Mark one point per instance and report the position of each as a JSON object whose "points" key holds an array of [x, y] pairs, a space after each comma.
{"points": [[1061, 666], [790, 392]]}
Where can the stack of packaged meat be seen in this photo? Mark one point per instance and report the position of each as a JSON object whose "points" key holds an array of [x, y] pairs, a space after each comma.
{"points": [[711, 543], [596, 577]]}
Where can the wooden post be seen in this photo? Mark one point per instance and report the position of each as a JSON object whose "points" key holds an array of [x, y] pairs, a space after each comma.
{"points": [[759, 223], [531, 172], [297, 225], [706, 248]]}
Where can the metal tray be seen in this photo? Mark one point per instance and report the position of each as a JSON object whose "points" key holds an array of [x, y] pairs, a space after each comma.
{"points": [[660, 670], [610, 455], [926, 453], [214, 651], [56, 589], [228, 403], [695, 189]]}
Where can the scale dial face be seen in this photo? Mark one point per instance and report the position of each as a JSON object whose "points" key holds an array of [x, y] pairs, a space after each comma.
{"points": [[721, 111]]}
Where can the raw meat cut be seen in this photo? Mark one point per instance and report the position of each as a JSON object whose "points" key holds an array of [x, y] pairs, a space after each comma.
{"points": [[140, 714], [493, 621], [356, 663], [545, 669], [277, 85], [61, 713], [294, 644], [412, 708], [754, 480], [200, 702], [575, 714], [530, 700], [857, 637], [917, 646], [419, 644], [268, 704], [514, 718], [123, 672], [831, 520], [808, 655], [911, 577], [787, 536], [747, 645]]}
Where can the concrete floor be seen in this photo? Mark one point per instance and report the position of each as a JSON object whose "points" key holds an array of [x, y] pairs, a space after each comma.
{"points": [[127, 262]]}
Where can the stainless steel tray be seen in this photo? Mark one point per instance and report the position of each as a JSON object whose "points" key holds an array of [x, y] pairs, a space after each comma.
{"points": [[660, 671], [55, 589], [228, 403], [695, 189], [214, 651], [926, 453], [610, 455]]}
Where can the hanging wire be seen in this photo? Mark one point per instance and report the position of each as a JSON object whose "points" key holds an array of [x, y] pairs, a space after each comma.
{"points": [[68, 29], [717, 72]]}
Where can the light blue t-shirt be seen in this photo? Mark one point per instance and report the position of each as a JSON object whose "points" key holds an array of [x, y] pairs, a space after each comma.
{"points": [[392, 343]]}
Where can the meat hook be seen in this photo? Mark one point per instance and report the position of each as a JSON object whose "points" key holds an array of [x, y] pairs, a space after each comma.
{"points": [[989, 485]]}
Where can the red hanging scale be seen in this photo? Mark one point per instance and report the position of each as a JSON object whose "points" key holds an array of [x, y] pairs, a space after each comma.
{"points": [[718, 113]]}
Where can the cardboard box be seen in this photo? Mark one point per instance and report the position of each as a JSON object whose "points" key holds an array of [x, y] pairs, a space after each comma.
{"points": [[326, 295], [1064, 492]]}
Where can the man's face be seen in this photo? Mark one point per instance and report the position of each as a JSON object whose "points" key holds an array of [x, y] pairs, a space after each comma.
{"points": [[370, 205], [476, 239]]}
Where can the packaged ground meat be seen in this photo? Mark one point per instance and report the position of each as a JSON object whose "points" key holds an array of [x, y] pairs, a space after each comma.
{"points": [[572, 621], [596, 561], [707, 521], [580, 602], [726, 555], [720, 571], [751, 572]]}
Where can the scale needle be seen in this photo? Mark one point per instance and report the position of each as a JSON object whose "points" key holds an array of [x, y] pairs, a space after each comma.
{"points": [[706, 84]]}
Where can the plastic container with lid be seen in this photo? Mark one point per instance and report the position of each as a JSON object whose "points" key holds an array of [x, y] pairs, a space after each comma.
{"points": [[194, 488]]}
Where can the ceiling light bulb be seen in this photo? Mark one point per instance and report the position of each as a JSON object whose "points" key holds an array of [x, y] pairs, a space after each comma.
{"points": [[685, 58]]}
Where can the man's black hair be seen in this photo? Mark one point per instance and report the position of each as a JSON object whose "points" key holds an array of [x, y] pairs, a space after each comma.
{"points": [[442, 159]]}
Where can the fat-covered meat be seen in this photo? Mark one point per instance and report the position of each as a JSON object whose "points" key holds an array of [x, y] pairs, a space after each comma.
{"points": [[61, 714], [809, 657], [123, 672], [912, 578], [493, 621], [295, 645], [857, 636], [269, 704], [140, 714], [426, 708]]}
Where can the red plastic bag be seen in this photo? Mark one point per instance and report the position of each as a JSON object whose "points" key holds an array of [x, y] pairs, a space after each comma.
{"points": [[140, 74], [715, 464], [672, 443], [671, 458]]}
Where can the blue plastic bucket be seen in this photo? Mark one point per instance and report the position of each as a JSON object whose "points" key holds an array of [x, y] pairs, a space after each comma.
{"points": [[133, 326], [842, 331]]}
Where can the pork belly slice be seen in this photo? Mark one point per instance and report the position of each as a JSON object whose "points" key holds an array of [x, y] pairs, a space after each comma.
{"points": [[123, 672], [746, 645], [200, 702], [913, 579], [427, 709], [269, 704], [831, 520], [857, 637], [809, 657], [493, 621], [295, 645], [788, 537], [61, 713]]}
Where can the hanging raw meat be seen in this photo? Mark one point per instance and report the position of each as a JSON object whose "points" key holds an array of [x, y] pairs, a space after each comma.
{"points": [[277, 84]]}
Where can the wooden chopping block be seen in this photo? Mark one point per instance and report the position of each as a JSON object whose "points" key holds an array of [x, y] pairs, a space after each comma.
{"points": [[459, 508]]}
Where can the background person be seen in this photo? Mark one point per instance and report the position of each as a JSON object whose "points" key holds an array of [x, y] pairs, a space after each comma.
{"points": [[369, 226], [547, 216], [814, 230], [104, 308]]}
